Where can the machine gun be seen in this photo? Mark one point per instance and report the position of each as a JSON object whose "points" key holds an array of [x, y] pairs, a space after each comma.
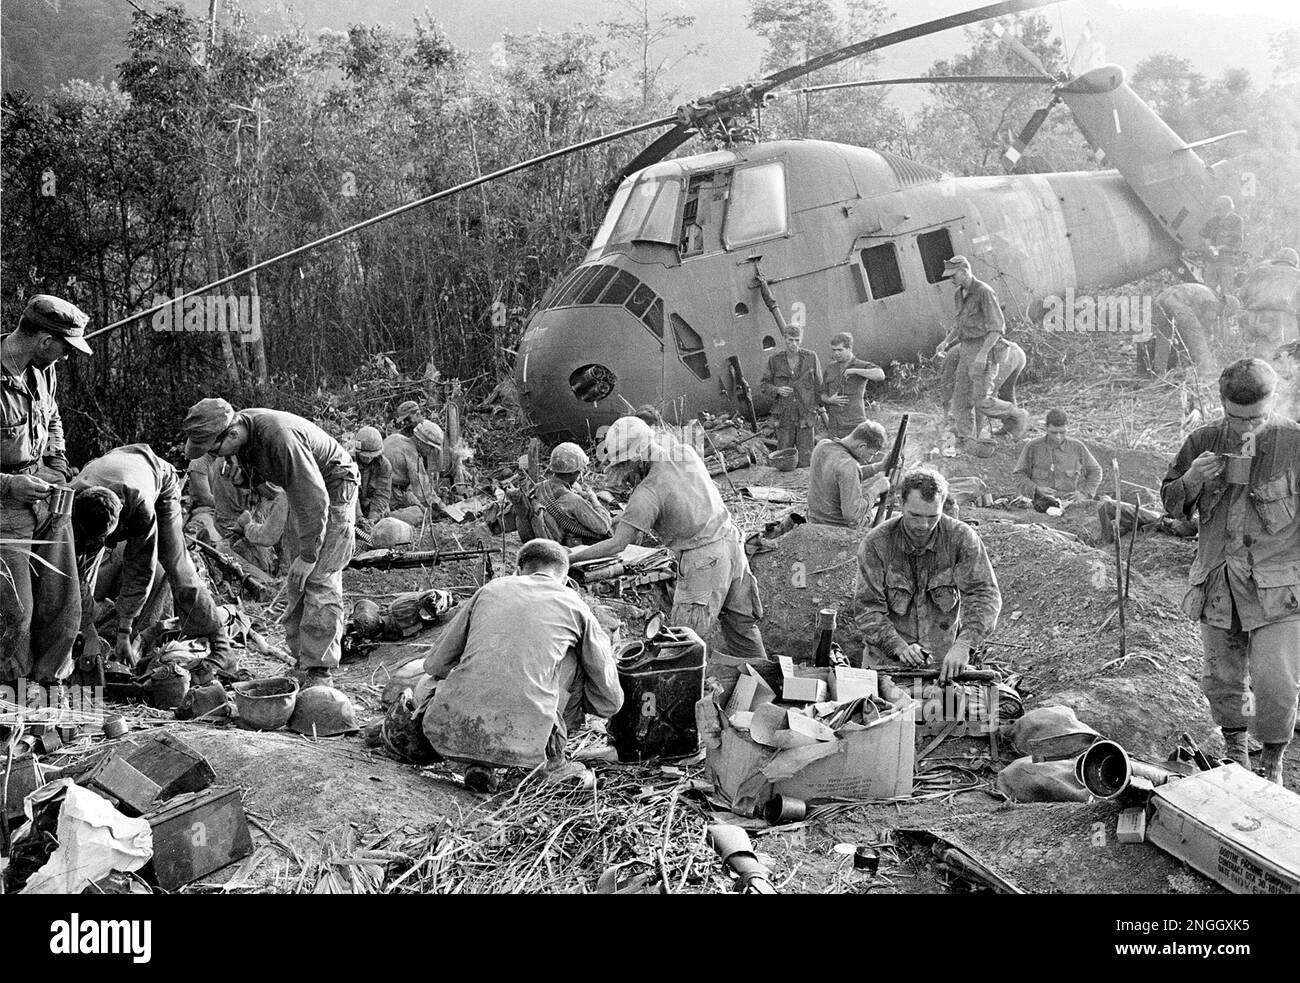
{"points": [[893, 468], [394, 559]]}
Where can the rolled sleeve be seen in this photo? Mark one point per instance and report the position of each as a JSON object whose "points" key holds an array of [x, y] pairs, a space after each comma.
{"points": [[642, 510]]}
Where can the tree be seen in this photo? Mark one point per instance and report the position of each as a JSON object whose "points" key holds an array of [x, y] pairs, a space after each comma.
{"points": [[644, 34], [1170, 86]]}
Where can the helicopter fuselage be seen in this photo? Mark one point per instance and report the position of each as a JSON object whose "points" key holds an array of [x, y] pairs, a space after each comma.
{"points": [[666, 308]]}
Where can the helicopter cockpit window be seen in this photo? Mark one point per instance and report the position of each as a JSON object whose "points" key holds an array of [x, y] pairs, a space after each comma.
{"points": [[880, 263], [936, 249], [758, 204], [649, 212], [611, 216]]}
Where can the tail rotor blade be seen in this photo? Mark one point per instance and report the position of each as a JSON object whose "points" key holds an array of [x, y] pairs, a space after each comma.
{"points": [[1011, 157]]}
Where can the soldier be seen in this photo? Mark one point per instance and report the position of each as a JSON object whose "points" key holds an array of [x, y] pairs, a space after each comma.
{"points": [[1058, 466], [39, 609], [978, 331], [793, 379], [925, 588], [1245, 580], [1268, 300], [1223, 233], [376, 492], [845, 384], [561, 508], [416, 461], [835, 495], [676, 501], [321, 482], [148, 519], [1183, 313]]}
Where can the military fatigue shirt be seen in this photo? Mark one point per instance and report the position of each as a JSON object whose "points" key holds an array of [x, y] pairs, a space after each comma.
{"points": [[1271, 286], [836, 383], [678, 502], [932, 595], [1066, 469], [305, 461], [1248, 550], [411, 481], [570, 516], [806, 381], [978, 312], [834, 488], [1224, 232], [376, 492], [31, 429], [507, 667]]}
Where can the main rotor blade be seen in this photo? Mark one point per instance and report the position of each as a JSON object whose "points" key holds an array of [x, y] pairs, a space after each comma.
{"points": [[1017, 47], [1011, 156], [931, 80], [393, 213], [897, 37], [664, 145]]}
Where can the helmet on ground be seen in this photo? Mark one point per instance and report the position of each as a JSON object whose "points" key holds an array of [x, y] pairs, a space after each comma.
{"points": [[322, 711], [568, 458], [1288, 256], [628, 439]]}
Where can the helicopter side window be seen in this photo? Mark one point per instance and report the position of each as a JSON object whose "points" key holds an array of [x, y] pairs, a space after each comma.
{"points": [[880, 263], [936, 248], [690, 346], [758, 204]]}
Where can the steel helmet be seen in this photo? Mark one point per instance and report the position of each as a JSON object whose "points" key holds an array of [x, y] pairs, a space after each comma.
{"points": [[568, 458], [429, 433], [369, 441], [322, 711], [628, 439], [1288, 256]]}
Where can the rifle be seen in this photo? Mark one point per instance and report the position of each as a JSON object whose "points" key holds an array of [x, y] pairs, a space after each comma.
{"points": [[255, 585], [893, 468], [394, 559], [744, 394]]}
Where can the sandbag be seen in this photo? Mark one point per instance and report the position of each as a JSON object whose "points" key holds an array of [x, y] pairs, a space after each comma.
{"points": [[390, 532], [1025, 780], [1056, 722]]}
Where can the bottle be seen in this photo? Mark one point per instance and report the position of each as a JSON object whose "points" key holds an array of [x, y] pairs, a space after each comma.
{"points": [[825, 637]]}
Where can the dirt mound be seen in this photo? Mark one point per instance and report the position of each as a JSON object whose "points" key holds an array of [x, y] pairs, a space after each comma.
{"points": [[1066, 635], [812, 567]]}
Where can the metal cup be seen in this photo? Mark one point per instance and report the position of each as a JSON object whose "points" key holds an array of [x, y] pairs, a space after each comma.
{"points": [[1237, 468], [61, 500]]}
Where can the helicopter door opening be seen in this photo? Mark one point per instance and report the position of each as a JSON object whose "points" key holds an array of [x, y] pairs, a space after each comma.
{"points": [[879, 268], [706, 199], [690, 347], [936, 249]]}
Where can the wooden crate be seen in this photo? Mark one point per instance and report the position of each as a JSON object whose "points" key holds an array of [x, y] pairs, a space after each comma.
{"points": [[197, 833], [169, 763]]}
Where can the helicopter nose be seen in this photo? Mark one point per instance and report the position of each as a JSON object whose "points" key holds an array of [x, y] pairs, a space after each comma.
{"points": [[580, 368]]}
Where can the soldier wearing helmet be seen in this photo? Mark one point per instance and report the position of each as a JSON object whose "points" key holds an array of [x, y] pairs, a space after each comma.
{"points": [[1223, 233], [376, 491], [676, 501], [1268, 301], [562, 509], [416, 460]]}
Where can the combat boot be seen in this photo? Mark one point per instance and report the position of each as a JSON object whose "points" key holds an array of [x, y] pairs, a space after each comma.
{"points": [[1270, 762], [1236, 747]]}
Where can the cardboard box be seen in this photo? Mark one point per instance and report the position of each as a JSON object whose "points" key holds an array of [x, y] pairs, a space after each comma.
{"points": [[867, 763], [751, 691], [1132, 825], [1233, 826], [803, 689], [850, 684]]}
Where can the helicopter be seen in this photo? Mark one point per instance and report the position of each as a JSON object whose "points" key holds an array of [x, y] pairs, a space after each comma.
{"points": [[684, 291], [702, 262]]}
